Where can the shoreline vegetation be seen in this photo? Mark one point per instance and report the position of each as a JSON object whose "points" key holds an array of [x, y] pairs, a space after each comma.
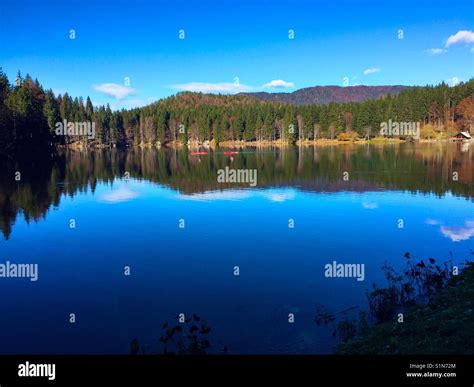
{"points": [[443, 325], [34, 117], [241, 144]]}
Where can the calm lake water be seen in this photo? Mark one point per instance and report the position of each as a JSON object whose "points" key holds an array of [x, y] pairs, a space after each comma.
{"points": [[127, 207]]}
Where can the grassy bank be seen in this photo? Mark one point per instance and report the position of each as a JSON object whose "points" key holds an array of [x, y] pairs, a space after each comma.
{"points": [[319, 142], [443, 326]]}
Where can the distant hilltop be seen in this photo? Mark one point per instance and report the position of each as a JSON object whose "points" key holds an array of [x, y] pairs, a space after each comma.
{"points": [[323, 95]]}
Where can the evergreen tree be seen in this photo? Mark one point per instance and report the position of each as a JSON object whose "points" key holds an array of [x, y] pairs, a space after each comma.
{"points": [[51, 111]]}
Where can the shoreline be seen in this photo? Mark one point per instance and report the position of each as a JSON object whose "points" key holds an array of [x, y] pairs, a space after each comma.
{"points": [[255, 144], [441, 326]]}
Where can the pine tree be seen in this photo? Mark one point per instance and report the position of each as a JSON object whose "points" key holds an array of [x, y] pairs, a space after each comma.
{"points": [[6, 118], [51, 111], [89, 109]]}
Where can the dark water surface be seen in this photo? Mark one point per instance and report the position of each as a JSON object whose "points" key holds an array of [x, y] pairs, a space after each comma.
{"points": [[127, 206]]}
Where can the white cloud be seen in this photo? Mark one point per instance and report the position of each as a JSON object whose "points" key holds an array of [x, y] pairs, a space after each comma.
{"points": [[224, 88], [228, 87], [279, 83], [453, 81], [118, 195], [432, 222], [372, 70], [230, 195], [370, 206], [457, 234], [435, 51], [115, 90], [460, 37], [279, 196]]}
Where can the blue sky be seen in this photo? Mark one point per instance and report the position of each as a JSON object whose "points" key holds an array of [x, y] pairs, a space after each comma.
{"points": [[334, 41]]}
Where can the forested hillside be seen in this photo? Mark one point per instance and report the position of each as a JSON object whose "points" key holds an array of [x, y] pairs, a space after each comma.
{"points": [[322, 95], [29, 114]]}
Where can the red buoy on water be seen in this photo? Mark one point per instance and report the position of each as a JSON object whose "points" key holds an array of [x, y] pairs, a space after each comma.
{"points": [[231, 153]]}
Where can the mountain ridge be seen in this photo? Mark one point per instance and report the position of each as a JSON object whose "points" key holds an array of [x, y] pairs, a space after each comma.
{"points": [[323, 95]]}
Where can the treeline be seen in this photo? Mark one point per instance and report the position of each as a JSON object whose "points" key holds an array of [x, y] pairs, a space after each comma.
{"points": [[29, 114]]}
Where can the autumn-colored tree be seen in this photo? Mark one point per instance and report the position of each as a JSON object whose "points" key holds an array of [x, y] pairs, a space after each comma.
{"points": [[465, 113], [347, 136], [428, 131]]}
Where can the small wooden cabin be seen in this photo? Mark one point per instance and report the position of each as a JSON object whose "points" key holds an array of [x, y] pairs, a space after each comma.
{"points": [[462, 136]]}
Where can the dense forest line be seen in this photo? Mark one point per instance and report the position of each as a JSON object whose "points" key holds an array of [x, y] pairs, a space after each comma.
{"points": [[29, 115]]}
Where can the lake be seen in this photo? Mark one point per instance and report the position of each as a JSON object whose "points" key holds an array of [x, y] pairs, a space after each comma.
{"points": [[128, 239]]}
